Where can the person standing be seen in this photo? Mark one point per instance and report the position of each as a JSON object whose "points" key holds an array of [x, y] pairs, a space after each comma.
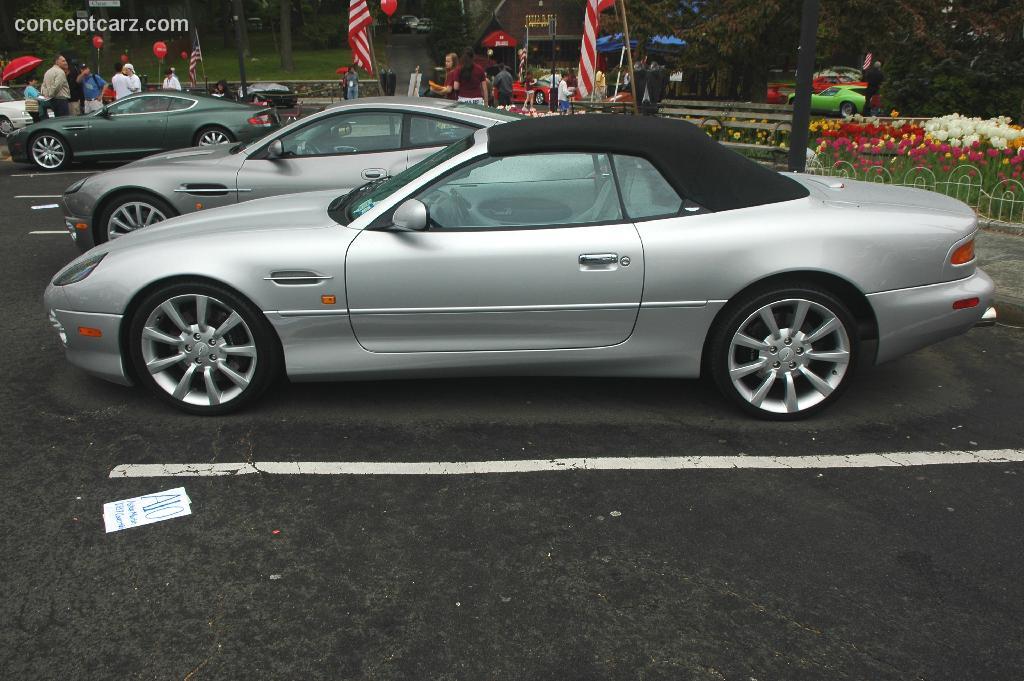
{"points": [[126, 82], [171, 80], [470, 80], [873, 77], [566, 90], [32, 99], [451, 62], [352, 83], [503, 84], [92, 90], [75, 86], [55, 87]]}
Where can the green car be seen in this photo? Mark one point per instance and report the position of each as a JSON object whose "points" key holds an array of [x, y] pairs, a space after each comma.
{"points": [[844, 100], [139, 125]]}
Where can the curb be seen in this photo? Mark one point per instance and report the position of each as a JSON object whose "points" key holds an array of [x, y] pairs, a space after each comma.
{"points": [[1003, 227], [1010, 309]]}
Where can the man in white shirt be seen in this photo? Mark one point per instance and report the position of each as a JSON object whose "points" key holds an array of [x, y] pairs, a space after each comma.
{"points": [[126, 82], [171, 80]]}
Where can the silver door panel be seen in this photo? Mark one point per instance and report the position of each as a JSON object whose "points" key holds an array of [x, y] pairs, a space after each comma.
{"points": [[445, 285], [290, 175]]}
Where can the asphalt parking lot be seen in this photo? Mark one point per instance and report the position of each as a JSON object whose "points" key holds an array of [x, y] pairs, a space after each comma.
{"points": [[895, 572]]}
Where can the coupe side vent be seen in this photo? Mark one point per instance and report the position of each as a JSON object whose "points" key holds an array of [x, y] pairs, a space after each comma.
{"points": [[297, 277]]}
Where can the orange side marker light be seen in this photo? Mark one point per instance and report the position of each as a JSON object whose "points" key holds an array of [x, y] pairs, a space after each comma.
{"points": [[90, 332], [963, 254], [81, 225], [328, 300]]}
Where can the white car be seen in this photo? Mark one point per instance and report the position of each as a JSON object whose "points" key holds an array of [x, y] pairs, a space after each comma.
{"points": [[12, 112]]}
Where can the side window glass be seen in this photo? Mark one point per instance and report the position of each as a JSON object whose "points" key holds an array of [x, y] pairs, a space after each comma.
{"points": [[138, 105], [529, 191], [645, 192], [425, 131], [346, 134], [178, 104]]}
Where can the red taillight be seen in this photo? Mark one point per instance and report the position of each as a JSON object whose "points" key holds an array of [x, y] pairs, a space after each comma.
{"points": [[966, 303], [963, 254], [261, 121]]}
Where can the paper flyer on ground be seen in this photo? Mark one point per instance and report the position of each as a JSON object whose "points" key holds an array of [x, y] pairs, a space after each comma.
{"points": [[149, 508]]}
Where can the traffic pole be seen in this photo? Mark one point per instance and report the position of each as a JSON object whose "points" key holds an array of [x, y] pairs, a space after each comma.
{"points": [[800, 133]]}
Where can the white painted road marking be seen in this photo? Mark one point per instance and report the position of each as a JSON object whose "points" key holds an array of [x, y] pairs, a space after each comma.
{"points": [[37, 196], [66, 172], [651, 463], [51, 231], [45, 206]]}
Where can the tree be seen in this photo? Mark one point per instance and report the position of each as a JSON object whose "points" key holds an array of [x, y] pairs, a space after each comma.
{"points": [[287, 61], [449, 32], [46, 44]]}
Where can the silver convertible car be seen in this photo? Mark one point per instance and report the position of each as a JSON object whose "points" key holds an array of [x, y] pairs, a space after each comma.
{"points": [[339, 148], [582, 245]]}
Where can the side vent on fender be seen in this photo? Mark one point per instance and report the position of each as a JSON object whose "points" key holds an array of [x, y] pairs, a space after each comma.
{"points": [[297, 277]]}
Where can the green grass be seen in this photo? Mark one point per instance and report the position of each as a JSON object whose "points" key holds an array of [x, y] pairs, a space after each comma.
{"points": [[265, 64]]}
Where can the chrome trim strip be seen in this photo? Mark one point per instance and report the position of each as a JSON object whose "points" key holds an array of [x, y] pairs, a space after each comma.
{"points": [[655, 304], [209, 190], [494, 308], [311, 277], [309, 313]]}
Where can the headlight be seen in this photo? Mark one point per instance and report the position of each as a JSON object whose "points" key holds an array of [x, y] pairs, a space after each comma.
{"points": [[78, 270], [76, 186]]}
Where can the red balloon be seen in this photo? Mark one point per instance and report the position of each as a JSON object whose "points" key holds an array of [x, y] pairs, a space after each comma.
{"points": [[388, 6], [97, 41], [184, 54], [160, 49], [124, 58]]}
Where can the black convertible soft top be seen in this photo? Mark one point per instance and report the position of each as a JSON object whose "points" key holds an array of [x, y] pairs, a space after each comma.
{"points": [[699, 168]]}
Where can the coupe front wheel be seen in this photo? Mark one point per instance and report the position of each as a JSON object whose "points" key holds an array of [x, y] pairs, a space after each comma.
{"points": [[49, 151], [202, 348], [847, 109], [785, 353], [6, 127], [129, 213]]}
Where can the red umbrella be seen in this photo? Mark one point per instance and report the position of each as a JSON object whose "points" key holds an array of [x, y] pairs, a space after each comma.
{"points": [[20, 66], [341, 70]]}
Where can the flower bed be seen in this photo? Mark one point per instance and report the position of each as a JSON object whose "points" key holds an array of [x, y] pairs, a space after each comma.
{"points": [[980, 162]]}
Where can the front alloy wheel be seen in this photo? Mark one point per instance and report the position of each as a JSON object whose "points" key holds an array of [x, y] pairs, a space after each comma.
{"points": [[202, 348], [786, 354], [49, 152], [6, 127], [131, 216]]}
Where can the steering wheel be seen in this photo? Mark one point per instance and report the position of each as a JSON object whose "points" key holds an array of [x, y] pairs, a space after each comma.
{"points": [[462, 207]]}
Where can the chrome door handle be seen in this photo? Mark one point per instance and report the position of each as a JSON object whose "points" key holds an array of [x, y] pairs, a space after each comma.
{"points": [[373, 173], [599, 258]]}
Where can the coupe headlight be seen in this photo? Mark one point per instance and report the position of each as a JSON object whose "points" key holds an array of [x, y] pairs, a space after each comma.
{"points": [[78, 270], [76, 186]]}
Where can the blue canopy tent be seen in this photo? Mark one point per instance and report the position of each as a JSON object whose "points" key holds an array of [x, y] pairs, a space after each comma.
{"points": [[659, 43]]}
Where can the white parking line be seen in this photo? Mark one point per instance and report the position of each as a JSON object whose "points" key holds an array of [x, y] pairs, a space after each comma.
{"points": [[66, 172], [642, 463], [37, 196], [50, 231], [45, 206]]}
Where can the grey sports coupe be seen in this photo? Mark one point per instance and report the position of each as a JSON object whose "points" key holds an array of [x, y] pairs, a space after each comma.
{"points": [[584, 245], [137, 125], [339, 148]]}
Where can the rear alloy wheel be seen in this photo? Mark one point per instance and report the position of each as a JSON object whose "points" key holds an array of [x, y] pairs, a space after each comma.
{"points": [[213, 135], [202, 348], [785, 354], [538, 97], [6, 127], [49, 152], [129, 213], [847, 109]]}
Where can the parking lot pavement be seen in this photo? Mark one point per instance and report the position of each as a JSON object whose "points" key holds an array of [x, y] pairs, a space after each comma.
{"points": [[902, 572]]}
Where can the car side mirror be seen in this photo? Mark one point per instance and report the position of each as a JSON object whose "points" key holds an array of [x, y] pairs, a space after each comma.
{"points": [[105, 112], [275, 150], [411, 216]]}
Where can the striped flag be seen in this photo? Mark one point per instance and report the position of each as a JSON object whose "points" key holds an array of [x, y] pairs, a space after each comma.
{"points": [[588, 49], [358, 34], [604, 4], [197, 56], [867, 61]]}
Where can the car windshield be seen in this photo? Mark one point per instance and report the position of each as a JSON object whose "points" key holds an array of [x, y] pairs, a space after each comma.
{"points": [[8, 95], [359, 201]]}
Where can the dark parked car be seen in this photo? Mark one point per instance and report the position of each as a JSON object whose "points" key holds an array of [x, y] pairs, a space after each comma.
{"points": [[272, 94], [139, 125]]}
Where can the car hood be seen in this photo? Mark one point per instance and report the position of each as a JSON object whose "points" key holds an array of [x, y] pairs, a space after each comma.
{"points": [[209, 154], [289, 212]]}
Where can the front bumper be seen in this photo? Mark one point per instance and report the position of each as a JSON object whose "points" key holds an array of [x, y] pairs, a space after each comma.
{"points": [[99, 355], [913, 318], [80, 230]]}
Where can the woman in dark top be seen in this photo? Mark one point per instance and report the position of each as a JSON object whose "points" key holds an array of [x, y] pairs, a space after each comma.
{"points": [[471, 81]]}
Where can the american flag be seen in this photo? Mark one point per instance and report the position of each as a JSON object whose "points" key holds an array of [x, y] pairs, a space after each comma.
{"points": [[358, 40], [197, 56], [867, 61], [588, 50]]}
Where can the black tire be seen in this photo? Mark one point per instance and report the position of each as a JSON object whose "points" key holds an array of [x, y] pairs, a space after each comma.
{"points": [[56, 140], [101, 228], [6, 127], [847, 109], [539, 98], [780, 356], [253, 330], [197, 140]]}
